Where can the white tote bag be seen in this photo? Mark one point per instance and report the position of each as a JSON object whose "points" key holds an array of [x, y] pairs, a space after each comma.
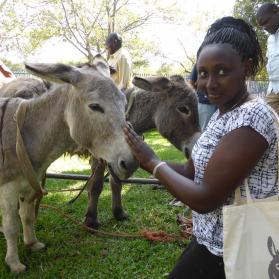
{"points": [[251, 237]]}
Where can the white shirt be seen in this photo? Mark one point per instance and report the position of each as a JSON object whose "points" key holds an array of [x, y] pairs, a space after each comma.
{"points": [[262, 181], [273, 62], [122, 63]]}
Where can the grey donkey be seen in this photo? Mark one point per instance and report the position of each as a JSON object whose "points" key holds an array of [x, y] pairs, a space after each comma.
{"points": [[86, 109], [166, 104]]}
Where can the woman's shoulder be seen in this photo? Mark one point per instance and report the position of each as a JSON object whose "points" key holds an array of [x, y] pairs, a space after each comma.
{"points": [[258, 107], [257, 114]]}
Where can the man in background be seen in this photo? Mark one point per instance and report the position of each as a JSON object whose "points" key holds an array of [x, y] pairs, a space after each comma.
{"points": [[119, 61], [268, 18]]}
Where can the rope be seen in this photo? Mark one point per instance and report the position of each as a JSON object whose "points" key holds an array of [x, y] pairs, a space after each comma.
{"points": [[89, 181], [131, 101], [186, 225], [149, 235], [25, 163]]}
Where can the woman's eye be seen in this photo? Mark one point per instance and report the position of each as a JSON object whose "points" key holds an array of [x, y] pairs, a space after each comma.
{"points": [[221, 72], [96, 107], [202, 74]]}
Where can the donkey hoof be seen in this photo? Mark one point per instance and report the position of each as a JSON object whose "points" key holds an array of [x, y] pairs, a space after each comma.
{"points": [[37, 246], [16, 267], [120, 214], [92, 223]]}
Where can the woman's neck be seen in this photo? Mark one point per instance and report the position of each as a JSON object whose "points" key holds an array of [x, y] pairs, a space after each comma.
{"points": [[236, 102]]}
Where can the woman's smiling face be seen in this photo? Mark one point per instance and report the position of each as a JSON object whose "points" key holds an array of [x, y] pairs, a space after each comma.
{"points": [[221, 75]]}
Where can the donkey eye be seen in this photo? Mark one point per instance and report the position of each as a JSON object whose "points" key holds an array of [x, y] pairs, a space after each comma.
{"points": [[96, 107], [183, 109]]}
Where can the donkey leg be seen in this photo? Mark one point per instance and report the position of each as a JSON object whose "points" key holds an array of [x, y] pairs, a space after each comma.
{"points": [[117, 208], [95, 188], [9, 207], [1, 228], [28, 218]]}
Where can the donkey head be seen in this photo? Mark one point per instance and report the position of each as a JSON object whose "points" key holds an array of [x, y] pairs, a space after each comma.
{"points": [[94, 111], [175, 110]]}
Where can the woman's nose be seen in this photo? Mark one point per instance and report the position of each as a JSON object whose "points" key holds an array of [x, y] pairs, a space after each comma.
{"points": [[211, 81]]}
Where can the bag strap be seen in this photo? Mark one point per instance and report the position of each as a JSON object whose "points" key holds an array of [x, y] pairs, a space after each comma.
{"points": [[237, 196], [237, 199]]}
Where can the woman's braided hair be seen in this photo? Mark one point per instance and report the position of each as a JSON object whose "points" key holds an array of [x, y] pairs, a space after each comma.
{"points": [[240, 35]]}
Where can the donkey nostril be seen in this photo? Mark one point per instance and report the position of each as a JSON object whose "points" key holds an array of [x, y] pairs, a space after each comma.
{"points": [[123, 165]]}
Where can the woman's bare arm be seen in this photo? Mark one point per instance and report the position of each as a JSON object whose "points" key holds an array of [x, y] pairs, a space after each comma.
{"points": [[233, 159]]}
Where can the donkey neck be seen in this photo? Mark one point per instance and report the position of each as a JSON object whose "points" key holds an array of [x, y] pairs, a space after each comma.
{"points": [[45, 132], [142, 112]]}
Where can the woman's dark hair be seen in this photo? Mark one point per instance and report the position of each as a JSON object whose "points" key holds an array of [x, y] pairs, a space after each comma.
{"points": [[240, 35]]}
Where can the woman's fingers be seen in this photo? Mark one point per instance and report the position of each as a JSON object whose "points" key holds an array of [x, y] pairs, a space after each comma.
{"points": [[131, 136], [142, 152], [132, 133], [137, 145]]}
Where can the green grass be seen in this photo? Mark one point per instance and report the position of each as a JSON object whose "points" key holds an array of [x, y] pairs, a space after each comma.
{"points": [[75, 253]]}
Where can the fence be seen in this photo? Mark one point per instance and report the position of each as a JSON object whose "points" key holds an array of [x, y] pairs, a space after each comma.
{"points": [[22, 74], [258, 87]]}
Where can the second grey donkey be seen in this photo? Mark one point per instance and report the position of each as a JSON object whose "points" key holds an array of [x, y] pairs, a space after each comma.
{"points": [[166, 104]]}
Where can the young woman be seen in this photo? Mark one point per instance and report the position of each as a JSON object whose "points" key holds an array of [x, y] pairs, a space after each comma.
{"points": [[240, 142]]}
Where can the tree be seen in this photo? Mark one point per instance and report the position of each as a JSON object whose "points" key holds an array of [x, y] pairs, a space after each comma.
{"points": [[192, 28], [84, 24], [246, 9], [2, 4], [20, 28]]}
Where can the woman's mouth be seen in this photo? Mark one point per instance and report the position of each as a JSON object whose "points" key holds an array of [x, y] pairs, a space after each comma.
{"points": [[213, 97]]}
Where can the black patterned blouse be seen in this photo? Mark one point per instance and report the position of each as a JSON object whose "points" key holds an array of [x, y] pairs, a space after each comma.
{"points": [[208, 228]]}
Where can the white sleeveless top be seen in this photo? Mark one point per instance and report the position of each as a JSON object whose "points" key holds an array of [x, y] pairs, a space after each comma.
{"points": [[208, 228]]}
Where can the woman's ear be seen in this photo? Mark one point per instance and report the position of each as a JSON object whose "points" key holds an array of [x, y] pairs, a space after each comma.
{"points": [[248, 67]]}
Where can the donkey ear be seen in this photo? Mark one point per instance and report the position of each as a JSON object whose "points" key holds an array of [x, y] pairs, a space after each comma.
{"points": [[155, 84], [142, 83], [101, 64], [54, 72]]}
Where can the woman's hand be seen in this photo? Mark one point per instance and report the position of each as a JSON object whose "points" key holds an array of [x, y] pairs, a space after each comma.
{"points": [[142, 152]]}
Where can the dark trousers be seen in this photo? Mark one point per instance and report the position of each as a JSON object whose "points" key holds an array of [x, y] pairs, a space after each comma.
{"points": [[197, 262]]}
